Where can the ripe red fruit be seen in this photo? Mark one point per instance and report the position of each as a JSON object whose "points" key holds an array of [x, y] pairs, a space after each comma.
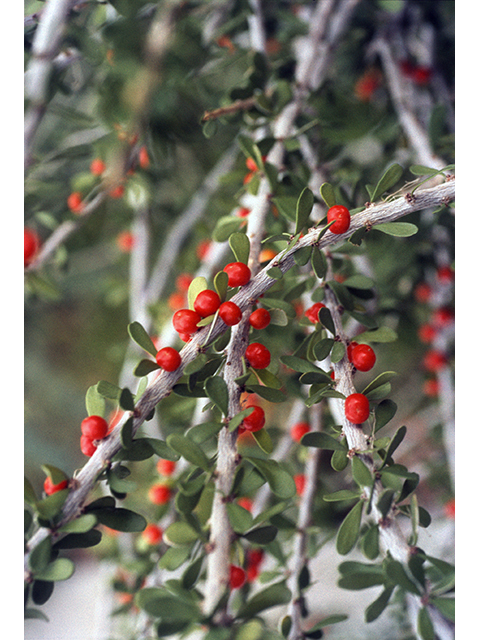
{"points": [[75, 203], [185, 321], [350, 348], [97, 167], [255, 421], [443, 316], [143, 159], [357, 408], [260, 318], [117, 192], [363, 357], [257, 355], [312, 312], [300, 482], [50, 488], [125, 241], [86, 446], [31, 244], [341, 215], [230, 313], [434, 360], [237, 577], [246, 503], [299, 430], [445, 274], [94, 427], [183, 281], [422, 292], [207, 302], [426, 333], [168, 358], [159, 493], [251, 164], [449, 508], [166, 467], [238, 274], [152, 534], [421, 75], [431, 387]]}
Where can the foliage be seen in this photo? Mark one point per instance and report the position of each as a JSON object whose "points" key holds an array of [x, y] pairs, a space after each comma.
{"points": [[189, 106]]}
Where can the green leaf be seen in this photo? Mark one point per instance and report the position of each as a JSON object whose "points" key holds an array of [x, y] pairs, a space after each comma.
{"points": [[226, 225], [240, 245], [361, 473], [159, 603], [425, 625], [322, 440], [304, 208], [349, 529], [29, 492], [59, 569], [126, 400], [390, 178], [51, 506], [382, 334], [82, 524], [272, 395], [328, 194], [286, 206], [217, 390], [109, 390], [397, 574], [179, 534], [275, 594], [395, 443], [278, 317], [319, 263], [35, 614], [174, 557], [384, 412], [338, 351], [285, 625], [359, 281], [120, 519], [94, 402], [335, 618], [144, 367], [275, 273], [322, 349], [197, 285], [446, 606], [80, 540], [280, 481], [342, 494], [189, 450], [240, 519], [55, 474], [40, 555], [302, 256], [264, 441], [371, 542], [261, 535], [300, 364], [385, 501], [325, 318], [380, 380], [399, 229], [377, 607], [220, 282], [161, 449], [339, 460], [422, 170], [141, 337]]}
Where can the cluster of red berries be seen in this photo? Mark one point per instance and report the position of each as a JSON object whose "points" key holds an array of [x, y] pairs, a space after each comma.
{"points": [[252, 169], [239, 576], [93, 428], [419, 74]]}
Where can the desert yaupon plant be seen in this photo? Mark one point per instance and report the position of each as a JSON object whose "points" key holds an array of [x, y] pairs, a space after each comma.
{"points": [[289, 290]]}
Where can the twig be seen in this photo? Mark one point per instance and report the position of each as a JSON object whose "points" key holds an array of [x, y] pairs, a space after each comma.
{"points": [[161, 387], [238, 105]]}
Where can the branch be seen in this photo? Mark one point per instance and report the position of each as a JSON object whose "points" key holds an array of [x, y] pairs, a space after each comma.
{"points": [[162, 386]]}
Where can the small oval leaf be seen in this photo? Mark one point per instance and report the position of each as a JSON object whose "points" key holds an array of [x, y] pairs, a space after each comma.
{"points": [[141, 337], [349, 529]]}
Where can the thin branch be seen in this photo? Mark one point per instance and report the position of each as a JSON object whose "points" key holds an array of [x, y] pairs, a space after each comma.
{"points": [[161, 387]]}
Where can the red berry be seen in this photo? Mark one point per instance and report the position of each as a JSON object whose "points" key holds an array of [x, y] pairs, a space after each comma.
{"points": [[434, 360], [243, 212], [445, 274], [350, 348], [125, 241], [254, 556], [31, 244], [257, 355], [251, 164], [421, 74], [363, 357], [86, 446], [299, 430], [159, 493], [357, 408], [94, 427], [426, 333], [75, 203], [207, 303], [50, 488], [230, 313], [143, 159], [166, 467], [183, 281], [260, 318], [238, 274], [255, 421], [449, 508], [152, 534], [431, 387], [300, 482], [443, 316], [252, 572], [237, 577], [186, 320], [246, 503], [97, 167], [168, 358], [422, 292], [312, 312], [117, 192], [341, 215]]}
